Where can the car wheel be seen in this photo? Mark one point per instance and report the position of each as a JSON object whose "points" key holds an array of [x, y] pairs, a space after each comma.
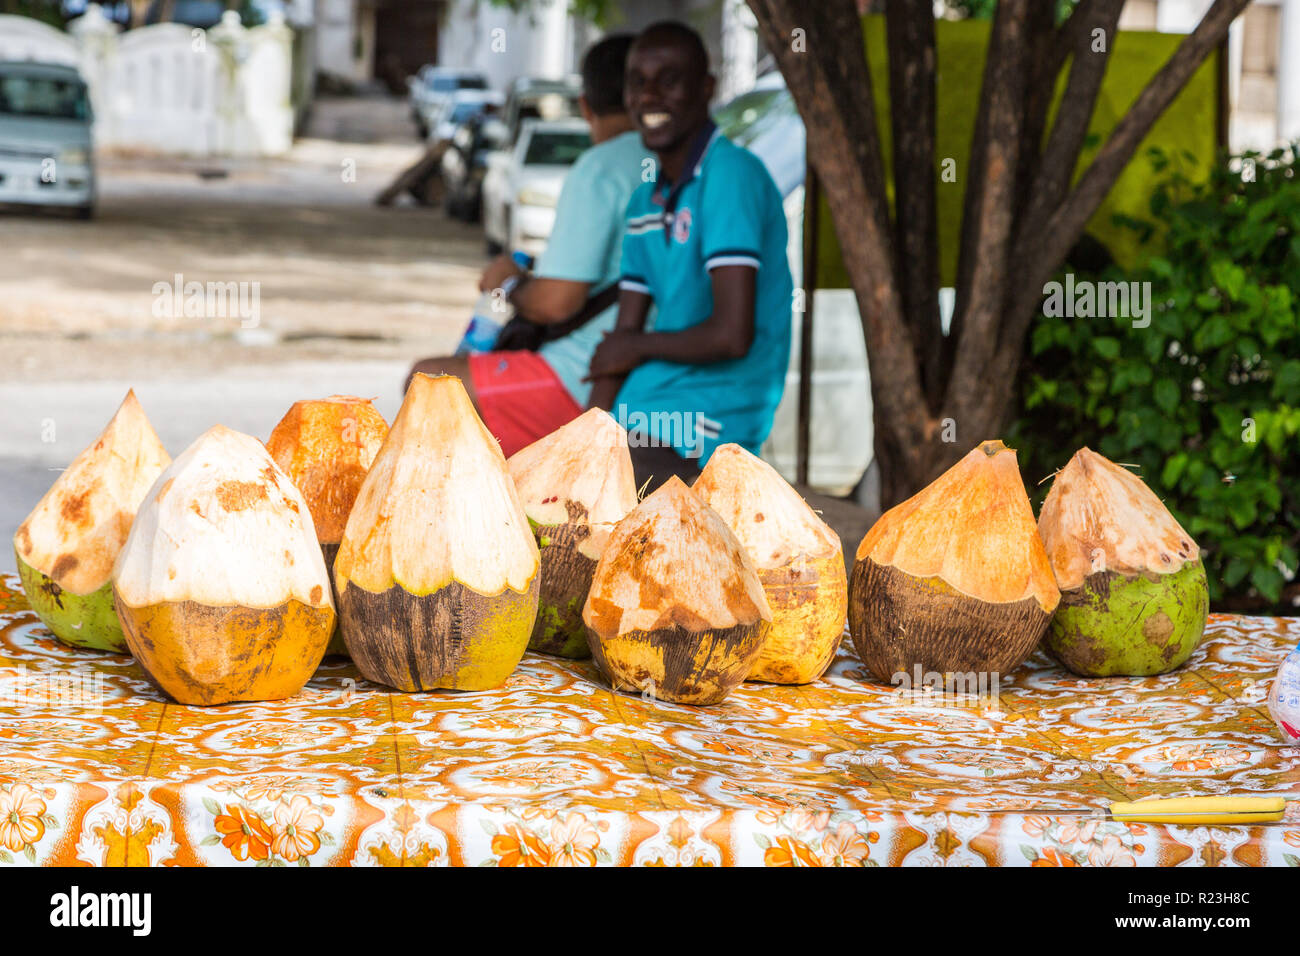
{"points": [[84, 212]]}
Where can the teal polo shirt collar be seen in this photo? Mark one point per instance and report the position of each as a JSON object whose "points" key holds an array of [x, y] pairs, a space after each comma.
{"points": [[666, 194]]}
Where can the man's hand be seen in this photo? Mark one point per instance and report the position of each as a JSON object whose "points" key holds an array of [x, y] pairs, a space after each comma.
{"points": [[604, 392], [497, 271], [617, 355]]}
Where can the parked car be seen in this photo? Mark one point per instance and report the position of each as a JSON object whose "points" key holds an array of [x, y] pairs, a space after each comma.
{"points": [[765, 121], [532, 98], [464, 163], [459, 108], [430, 88], [46, 148], [521, 187]]}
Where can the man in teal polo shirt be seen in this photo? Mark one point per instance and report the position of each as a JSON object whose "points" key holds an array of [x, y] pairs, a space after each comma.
{"points": [[706, 244]]}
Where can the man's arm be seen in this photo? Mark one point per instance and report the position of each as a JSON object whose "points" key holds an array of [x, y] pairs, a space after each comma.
{"points": [[727, 334], [541, 300], [633, 307]]}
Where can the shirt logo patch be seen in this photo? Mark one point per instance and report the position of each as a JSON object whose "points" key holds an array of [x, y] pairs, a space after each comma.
{"points": [[682, 226]]}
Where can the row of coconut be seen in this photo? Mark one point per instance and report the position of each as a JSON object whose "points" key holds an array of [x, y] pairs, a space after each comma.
{"points": [[435, 563]]}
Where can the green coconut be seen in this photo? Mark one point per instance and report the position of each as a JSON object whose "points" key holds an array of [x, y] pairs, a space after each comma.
{"points": [[81, 620], [575, 485], [65, 549], [1134, 597]]}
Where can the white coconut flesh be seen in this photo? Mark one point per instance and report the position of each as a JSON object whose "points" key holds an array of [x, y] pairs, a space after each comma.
{"points": [[584, 463], [1101, 517], [974, 529], [87, 512], [438, 504], [772, 521], [674, 561], [223, 526]]}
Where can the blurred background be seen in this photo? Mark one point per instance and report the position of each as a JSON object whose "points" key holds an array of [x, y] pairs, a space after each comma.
{"points": [[342, 169]]}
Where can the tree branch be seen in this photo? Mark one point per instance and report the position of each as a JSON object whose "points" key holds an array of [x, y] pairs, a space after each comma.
{"points": [[1052, 241], [986, 237], [828, 77], [910, 34], [1071, 127]]}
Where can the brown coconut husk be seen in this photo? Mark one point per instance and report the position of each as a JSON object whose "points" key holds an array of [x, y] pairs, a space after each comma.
{"points": [[676, 608], [955, 579]]}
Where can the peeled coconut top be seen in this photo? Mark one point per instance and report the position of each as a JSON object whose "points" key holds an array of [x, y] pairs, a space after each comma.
{"points": [[76, 530], [773, 522], [674, 561], [1101, 517], [438, 504], [973, 527], [326, 446], [581, 473], [223, 526]]}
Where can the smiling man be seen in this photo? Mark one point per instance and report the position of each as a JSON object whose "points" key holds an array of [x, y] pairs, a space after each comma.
{"points": [[706, 244]]}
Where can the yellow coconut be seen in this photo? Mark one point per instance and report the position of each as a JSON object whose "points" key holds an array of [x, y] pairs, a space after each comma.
{"points": [[798, 557], [66, 547], [955, 580], [221, 587], [326, 447], [676, 608], [575, 485], [437, 573]]}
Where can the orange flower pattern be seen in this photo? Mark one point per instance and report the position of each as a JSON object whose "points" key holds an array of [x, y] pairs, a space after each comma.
{"points": [[555, 769]]}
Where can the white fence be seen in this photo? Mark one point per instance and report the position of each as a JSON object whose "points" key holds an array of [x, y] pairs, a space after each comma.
{"points": [[170, 88]]}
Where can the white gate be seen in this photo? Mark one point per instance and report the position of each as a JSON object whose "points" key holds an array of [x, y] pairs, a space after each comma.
{"points": [[22, 38], [170, 88]]}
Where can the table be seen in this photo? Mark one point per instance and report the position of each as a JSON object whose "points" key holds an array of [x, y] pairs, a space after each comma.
{"points": [[98, 767]]}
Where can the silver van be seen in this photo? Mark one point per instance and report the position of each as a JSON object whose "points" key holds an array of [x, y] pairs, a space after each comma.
{"points": [[46, 149]]}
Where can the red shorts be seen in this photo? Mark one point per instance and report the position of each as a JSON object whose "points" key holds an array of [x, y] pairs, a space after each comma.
{"points": [[520, 397]]}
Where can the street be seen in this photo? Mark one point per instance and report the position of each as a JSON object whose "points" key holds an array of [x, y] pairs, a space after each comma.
{"points": [[345, 294]]}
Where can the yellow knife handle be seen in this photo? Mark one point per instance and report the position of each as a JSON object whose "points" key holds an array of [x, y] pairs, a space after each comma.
{"points": [[1202, 810]]}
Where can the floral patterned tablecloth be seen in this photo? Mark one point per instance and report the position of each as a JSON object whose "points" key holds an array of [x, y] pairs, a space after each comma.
{"points": [[97, 767]]}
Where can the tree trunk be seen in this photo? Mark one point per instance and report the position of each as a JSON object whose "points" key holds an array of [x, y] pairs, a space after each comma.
{"points": [[934, 398]]}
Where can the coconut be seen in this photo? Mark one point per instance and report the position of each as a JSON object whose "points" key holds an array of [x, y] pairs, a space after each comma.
{"points": [[1134, 598], [676, 608], [66, 547], [221, 586], [799, 560], [437, 573], [955, 579], [575, 485], [1284, 697], [326, 447]]}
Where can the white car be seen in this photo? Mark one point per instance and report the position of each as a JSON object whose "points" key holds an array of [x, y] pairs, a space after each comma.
{"points": [[522, 184], [46, 154]]}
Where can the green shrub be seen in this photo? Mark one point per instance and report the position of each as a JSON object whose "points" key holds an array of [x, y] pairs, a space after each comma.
{"points": [[1205, 402]]}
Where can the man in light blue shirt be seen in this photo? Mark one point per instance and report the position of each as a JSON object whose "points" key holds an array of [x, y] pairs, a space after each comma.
{"points": [[523, 396]]}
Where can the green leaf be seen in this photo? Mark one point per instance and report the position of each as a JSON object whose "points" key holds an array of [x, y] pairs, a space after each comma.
{"points": [[1107, 347], [1268, 582], [1166, 394]]}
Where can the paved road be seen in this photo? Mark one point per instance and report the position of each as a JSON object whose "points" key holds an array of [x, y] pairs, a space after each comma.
{"points": [[348, 295]]}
